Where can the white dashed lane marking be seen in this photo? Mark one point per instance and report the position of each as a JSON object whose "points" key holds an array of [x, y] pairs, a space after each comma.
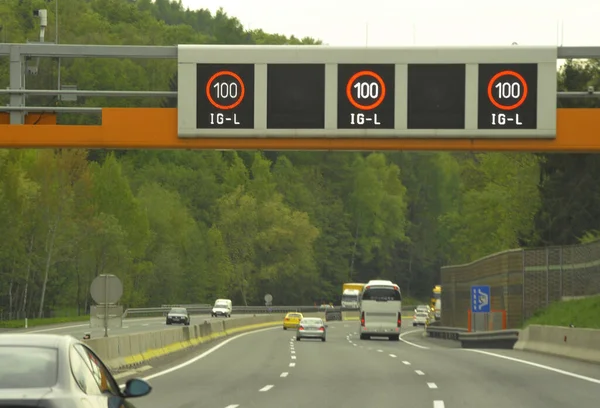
{"points": [[419, 372], [283, 375], [438, 404], [232, 406], [266, 388], [292, 364], [431, 385], [405, 363], [392, 355]]}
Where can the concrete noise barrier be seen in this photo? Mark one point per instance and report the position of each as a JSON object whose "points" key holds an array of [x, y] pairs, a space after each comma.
{"points": [[575, 343]]}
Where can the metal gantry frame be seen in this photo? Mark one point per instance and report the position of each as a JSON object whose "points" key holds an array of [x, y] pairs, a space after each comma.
{"points": [[19, 52]]}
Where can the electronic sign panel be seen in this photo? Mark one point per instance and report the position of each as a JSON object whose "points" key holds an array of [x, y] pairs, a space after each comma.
{"points": [[507, 96], [436, 96], [225, 96], [296, 96], [365, 96]]}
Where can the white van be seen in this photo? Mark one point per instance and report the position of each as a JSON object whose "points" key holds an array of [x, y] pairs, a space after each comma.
{"points": [[222, 307], [380, 310]]}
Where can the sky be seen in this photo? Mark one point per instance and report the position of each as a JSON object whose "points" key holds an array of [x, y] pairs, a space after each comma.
{"points": [[429, 23]]}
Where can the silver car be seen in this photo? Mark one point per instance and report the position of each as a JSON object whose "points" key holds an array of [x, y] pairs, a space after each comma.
{"points": [[178, 315], [312, 328], [49, 370]]}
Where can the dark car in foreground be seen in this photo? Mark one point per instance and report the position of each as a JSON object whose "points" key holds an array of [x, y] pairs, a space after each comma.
{"points": [[59, 371]]}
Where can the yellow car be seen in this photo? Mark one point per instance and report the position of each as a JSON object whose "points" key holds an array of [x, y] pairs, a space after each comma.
{"points": [[292, 320]]}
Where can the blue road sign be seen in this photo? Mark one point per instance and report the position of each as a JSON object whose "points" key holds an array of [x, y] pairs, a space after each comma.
{"points": [[480, 299]]}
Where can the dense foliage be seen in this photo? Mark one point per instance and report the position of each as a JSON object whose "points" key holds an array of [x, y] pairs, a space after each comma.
{"points": [[186, 227]]}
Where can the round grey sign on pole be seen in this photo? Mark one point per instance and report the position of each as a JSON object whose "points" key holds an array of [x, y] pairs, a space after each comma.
{"points": [[268, 298], [106, 289]]}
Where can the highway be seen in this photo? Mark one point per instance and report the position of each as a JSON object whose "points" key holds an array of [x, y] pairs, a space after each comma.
{"points": [[269, 368], [130, 326]]}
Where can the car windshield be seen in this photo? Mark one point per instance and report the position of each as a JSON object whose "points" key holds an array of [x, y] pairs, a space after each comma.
{"points": [[421, 314], [178, 310], [221, 304], [294, 316], [423, 308], [315, 322], [28, 367]]}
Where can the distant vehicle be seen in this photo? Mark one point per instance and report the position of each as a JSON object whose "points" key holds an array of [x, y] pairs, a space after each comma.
{"points": [[311, 328], [50, 370], [222, 307], [292, 320], [178, 315], [421, 318], [437, 311], [350, 298], [423, 308], [380, 310], [325, 306], [435, 295]]}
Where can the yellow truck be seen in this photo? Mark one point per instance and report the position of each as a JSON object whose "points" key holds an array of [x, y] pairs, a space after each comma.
{"points": [[351, 295], [436, 301]]}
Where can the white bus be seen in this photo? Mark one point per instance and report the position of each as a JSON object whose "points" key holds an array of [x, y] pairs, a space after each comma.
{"points": [[380, 310]]}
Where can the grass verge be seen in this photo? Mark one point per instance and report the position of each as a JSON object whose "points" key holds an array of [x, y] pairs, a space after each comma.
{"points": [[581, 313], [19, 324]]}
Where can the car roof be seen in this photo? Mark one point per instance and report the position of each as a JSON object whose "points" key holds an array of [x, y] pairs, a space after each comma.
{"points": [[298, 313], [36, 339]]}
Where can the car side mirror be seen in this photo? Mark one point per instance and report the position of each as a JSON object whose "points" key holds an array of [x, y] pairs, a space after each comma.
{"points": [[136, 387]]}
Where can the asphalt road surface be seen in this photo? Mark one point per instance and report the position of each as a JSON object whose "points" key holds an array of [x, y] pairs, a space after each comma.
{"points": [[130, 326], [270, 369]]}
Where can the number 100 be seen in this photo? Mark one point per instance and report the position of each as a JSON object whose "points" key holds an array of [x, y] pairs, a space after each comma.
{"points": [[508, 90]]}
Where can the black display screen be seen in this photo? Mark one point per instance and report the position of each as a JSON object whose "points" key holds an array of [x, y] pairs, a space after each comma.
{"points": [[507, 96], [365, 96], [225, 96], [296, 96], [436, 96]]}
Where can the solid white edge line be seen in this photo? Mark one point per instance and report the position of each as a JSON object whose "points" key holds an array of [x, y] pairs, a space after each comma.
{"points": [[411, 343], [438, 404], [531, 363], [206, 353], [266, 388]]}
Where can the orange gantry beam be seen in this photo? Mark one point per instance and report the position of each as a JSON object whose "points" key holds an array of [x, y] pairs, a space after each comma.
{"points": [[578, 130]]}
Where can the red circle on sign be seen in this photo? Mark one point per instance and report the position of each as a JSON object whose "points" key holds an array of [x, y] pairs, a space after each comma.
{"points": [[349, 90], [234, 76], [500, 75]]}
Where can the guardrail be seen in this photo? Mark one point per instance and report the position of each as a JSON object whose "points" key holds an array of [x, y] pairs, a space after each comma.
{"points": [[496, 339], [446, 333], [206, 309]]}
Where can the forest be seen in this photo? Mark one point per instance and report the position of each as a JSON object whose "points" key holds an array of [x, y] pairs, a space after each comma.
{"points": [[190, 226]]}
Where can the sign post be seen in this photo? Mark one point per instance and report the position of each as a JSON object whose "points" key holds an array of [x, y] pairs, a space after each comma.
{"points": [[480, 301], [268, 299], [106, 290]]}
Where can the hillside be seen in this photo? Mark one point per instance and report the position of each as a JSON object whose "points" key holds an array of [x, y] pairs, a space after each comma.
{"points": [[186, 227]]}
